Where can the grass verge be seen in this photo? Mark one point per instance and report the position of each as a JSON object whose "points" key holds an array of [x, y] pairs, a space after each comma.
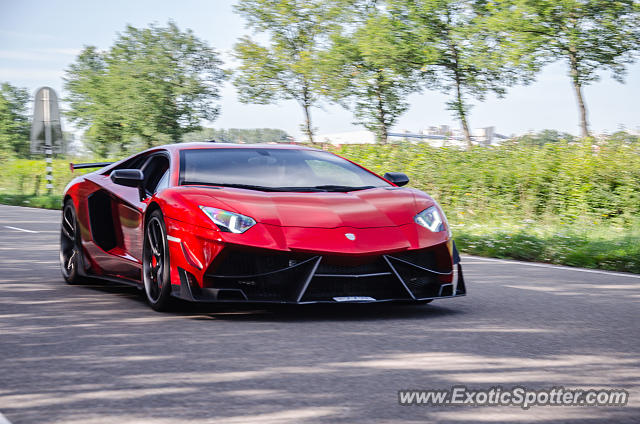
{"points": [[601, 247], [53, 201]]}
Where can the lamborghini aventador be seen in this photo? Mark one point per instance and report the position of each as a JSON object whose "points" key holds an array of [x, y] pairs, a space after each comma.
{"points": [[210, 222]]}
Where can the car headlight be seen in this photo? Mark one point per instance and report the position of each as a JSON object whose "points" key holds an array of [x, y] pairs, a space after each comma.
{"points": [[229, 222], [431, 219]]}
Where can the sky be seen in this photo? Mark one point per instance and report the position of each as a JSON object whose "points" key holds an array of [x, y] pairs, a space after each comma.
{"points": [[40, 39]]}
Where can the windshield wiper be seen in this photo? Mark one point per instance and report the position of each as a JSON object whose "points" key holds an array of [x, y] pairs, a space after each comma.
{"points": [[320, 188], [341, 188], [245, 186]]}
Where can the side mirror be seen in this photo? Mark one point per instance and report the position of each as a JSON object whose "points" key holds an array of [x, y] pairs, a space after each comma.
{"points": [[130, 178], [398, 178]]}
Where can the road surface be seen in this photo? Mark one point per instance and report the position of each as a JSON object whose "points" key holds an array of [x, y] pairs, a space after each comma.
{"points": [[97, 354]]}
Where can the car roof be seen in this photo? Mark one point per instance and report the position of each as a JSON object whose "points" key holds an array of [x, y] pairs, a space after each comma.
{"points": [[215, 145]]}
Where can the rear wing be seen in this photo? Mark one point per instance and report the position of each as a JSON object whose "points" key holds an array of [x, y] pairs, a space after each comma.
{"points": [[73, 166]]}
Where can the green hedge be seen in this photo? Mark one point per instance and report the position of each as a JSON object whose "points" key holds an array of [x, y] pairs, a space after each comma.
{"points": [[558, 181], [26, 177], [573, 204], [41, 201]]}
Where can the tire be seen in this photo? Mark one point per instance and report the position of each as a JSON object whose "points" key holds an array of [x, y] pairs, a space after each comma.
{"points": [[70, 250], [156, 274]]}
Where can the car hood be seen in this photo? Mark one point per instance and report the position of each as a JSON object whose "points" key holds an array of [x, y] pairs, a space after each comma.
{"points": [[372, 208]]}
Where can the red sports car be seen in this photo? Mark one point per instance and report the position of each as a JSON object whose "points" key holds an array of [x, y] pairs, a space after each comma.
{"points": [[211, 222]]}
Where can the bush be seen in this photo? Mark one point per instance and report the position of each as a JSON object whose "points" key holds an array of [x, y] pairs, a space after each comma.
{"points": [[564, 182], [573, 203], [45, 202], [27, 177]]}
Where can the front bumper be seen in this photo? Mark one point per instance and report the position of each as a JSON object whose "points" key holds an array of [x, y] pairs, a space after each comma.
{"points": [[267, 276]]}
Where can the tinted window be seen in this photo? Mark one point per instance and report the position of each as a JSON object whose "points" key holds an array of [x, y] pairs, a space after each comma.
{"points": [[273, 168], [154, 170], [133, 163], [164, 182]]}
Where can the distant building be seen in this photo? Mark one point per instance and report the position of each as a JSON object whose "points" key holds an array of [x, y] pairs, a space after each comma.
{"points": [[483, 136], [349, 137]]}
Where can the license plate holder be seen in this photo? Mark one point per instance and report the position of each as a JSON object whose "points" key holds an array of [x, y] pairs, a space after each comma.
{"points": [[354, 299]]}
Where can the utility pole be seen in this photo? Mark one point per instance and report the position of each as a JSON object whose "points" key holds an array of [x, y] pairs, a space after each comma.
{"points": [[48, 147]]}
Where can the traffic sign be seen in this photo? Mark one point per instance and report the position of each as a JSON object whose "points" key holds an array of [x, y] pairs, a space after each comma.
{"points": [[46, 131]]}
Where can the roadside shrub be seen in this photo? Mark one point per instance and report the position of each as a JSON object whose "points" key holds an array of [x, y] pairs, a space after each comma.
{"points": [[558, 181]]}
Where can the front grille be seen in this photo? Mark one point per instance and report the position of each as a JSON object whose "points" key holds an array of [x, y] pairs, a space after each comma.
{"points": [[263, 275]]}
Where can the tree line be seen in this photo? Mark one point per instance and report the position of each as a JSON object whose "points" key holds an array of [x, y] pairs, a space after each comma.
{"points": [[239, 135], [158, 84], [369, 55]]}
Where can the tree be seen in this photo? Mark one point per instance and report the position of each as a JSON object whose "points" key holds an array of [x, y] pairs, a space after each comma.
{"points": [[590, 35], [152, 86], [368, 67], [91, 105], [14, 121], [287, 67], [462, 54]]}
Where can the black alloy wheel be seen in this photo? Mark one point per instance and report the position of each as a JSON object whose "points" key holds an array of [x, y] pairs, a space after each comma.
{"points": [[155, 263], [70, 250]]}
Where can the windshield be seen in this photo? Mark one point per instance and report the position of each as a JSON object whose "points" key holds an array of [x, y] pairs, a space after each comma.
{"points": [[274, 170]]}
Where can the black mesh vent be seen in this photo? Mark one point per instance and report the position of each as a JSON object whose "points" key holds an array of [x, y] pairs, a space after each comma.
{"points": [[101, 220], [281, 285], [425, 258], [250, 262], [422, 284]]}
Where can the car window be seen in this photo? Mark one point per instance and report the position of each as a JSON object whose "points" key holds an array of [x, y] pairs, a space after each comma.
{"points": [[276, 169], [134, 163], [164, 182], [154, 169]]}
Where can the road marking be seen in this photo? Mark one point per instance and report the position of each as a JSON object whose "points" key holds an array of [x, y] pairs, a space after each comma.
{"points": [[3, 419], [566, 268], [18, 229]]}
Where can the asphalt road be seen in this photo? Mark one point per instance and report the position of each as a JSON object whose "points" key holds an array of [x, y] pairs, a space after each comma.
{"points": [[97, 354]]}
